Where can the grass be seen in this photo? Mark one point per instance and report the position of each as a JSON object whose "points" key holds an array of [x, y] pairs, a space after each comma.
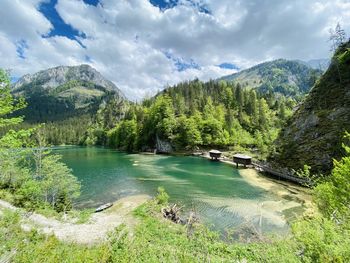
{"points": [[155, 239], [81, 216]]}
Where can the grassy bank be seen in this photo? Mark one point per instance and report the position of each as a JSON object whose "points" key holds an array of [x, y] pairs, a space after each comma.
{"points": [[155, 239]]}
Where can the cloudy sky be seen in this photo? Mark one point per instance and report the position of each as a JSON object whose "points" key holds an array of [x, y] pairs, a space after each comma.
{"points": [[144, 45]]}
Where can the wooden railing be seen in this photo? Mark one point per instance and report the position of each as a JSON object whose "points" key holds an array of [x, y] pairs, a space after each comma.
{"points": [[281, 174]]}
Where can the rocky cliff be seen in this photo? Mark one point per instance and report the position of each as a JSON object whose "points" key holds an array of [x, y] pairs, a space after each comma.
{"points": [[314, 134]]}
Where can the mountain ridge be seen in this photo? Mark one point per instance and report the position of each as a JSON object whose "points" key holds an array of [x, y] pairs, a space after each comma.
{"points": [[64, 91], [61, 74], [288, 77]]}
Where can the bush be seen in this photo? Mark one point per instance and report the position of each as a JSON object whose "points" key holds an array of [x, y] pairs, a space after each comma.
{"points": [[162, 197], [322, 240], [333, 197]]}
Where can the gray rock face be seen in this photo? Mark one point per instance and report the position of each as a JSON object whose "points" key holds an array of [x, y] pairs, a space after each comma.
{"points": [[314, 134], [163, 146], [309, 122]]}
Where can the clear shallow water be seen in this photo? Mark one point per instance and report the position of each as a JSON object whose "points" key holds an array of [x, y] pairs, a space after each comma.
{"points": [[216, 191]]}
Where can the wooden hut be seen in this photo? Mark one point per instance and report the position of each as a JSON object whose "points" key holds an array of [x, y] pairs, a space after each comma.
{"points": [[215, 154], [242, 159]]}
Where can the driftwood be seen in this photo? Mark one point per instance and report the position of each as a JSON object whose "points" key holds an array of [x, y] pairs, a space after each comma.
{"points": [[173, 213]]}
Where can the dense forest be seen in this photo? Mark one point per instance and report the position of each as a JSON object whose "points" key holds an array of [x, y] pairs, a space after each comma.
{"points": [[196, 114]]}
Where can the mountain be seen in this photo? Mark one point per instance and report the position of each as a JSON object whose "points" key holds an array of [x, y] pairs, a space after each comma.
{"points": [[287, 77], [62, 92], [314, 134], [321, 64]]}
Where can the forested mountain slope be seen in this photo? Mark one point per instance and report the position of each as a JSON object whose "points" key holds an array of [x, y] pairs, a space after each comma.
{"points": [[287, 77], [321, 64], [67, 100], [196, 114], [62, 92], [314, 134]]}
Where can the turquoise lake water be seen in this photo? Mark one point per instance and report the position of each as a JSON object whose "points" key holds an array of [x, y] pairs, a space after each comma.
{"points": [[216, 191]]}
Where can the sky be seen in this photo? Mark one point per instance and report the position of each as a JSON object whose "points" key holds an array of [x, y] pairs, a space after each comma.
{"points": [[146, 45]]}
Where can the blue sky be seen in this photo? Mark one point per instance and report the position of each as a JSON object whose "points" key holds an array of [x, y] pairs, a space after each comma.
{"points": [[164, 4], [144, 45], [60, 28]]}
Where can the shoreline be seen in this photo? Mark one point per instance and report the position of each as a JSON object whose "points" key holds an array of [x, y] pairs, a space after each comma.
{"points": [[282, 188]]}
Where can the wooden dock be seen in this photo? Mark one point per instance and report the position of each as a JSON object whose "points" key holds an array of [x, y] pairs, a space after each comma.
{"points": [[285, 175]]}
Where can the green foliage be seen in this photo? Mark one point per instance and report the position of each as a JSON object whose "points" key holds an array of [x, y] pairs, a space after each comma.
{"points": [[82, 216], [187, 133], [32, 246], [305, 172], [69, 100], [153, 240], [326, 237], [221, 114], [212, 114], [333, 196], [345, 56], [162, 116], [8, 104], [322, 240], [58, 185], [123, 136], [35, 177], [162, 197], [70, 108], [158, 240], [27, 171], [189, 115]]}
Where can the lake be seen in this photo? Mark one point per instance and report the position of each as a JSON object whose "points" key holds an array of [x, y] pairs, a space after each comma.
{"points": [[216, 191]]}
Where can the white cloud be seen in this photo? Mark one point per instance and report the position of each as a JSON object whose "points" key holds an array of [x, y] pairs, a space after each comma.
{"points": [[127, 40]]}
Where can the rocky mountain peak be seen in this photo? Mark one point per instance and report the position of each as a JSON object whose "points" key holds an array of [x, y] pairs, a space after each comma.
{"points": [[53, 77], [65, 91]]}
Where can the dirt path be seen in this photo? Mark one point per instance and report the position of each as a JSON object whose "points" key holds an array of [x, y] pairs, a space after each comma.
{"points": [[94, 231]]}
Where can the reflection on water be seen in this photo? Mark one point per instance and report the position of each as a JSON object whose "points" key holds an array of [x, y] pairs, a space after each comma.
{"points": [[216, 191]]}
